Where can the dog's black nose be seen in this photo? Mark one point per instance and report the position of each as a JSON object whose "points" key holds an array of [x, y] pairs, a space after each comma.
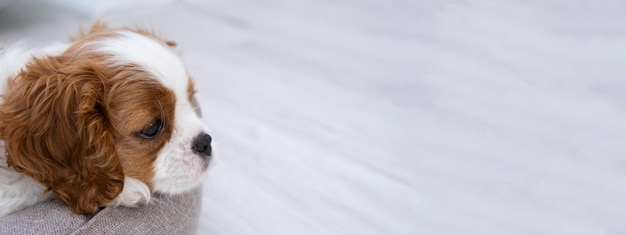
{"points": [[202, 145]]}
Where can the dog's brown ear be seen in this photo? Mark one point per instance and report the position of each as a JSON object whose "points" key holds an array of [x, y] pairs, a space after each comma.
{"points": [[54, 123]]}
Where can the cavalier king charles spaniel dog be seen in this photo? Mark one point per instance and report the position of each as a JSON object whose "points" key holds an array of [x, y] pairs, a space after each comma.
{"points": [[105, 120]]}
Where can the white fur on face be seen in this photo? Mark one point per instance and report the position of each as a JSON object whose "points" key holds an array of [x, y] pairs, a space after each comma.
{"points": [[177, 168]]}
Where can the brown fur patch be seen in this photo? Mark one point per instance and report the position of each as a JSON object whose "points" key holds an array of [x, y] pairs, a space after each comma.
{"points": [[191, 90], [191, 97]]}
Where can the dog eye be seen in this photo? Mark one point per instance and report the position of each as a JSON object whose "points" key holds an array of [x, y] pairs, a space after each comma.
{"points": [[151, 131]]}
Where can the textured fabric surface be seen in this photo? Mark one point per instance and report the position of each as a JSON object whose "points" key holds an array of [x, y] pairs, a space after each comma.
{"points": [[164, 215], [51, 217]]}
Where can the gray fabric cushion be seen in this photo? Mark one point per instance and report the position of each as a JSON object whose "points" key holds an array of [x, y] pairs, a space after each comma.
{"points": [[163, 215]]}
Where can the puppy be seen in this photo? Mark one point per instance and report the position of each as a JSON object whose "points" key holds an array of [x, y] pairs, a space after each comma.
{"points": [[105, 120]]}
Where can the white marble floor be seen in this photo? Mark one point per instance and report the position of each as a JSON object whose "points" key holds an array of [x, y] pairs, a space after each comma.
{"points": [[395, 117]]}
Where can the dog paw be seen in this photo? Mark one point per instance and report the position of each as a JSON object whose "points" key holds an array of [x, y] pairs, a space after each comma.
{"points": [[134, 193]]}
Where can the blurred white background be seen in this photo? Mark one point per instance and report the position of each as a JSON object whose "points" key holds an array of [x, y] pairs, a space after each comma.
{"points": [[393, 117]]}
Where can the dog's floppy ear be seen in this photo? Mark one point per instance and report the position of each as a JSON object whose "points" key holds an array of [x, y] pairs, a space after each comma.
{"points": [[54, 121]]}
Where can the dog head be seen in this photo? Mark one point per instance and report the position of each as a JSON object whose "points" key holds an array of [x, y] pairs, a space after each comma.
{"points": [[116, 104]]}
